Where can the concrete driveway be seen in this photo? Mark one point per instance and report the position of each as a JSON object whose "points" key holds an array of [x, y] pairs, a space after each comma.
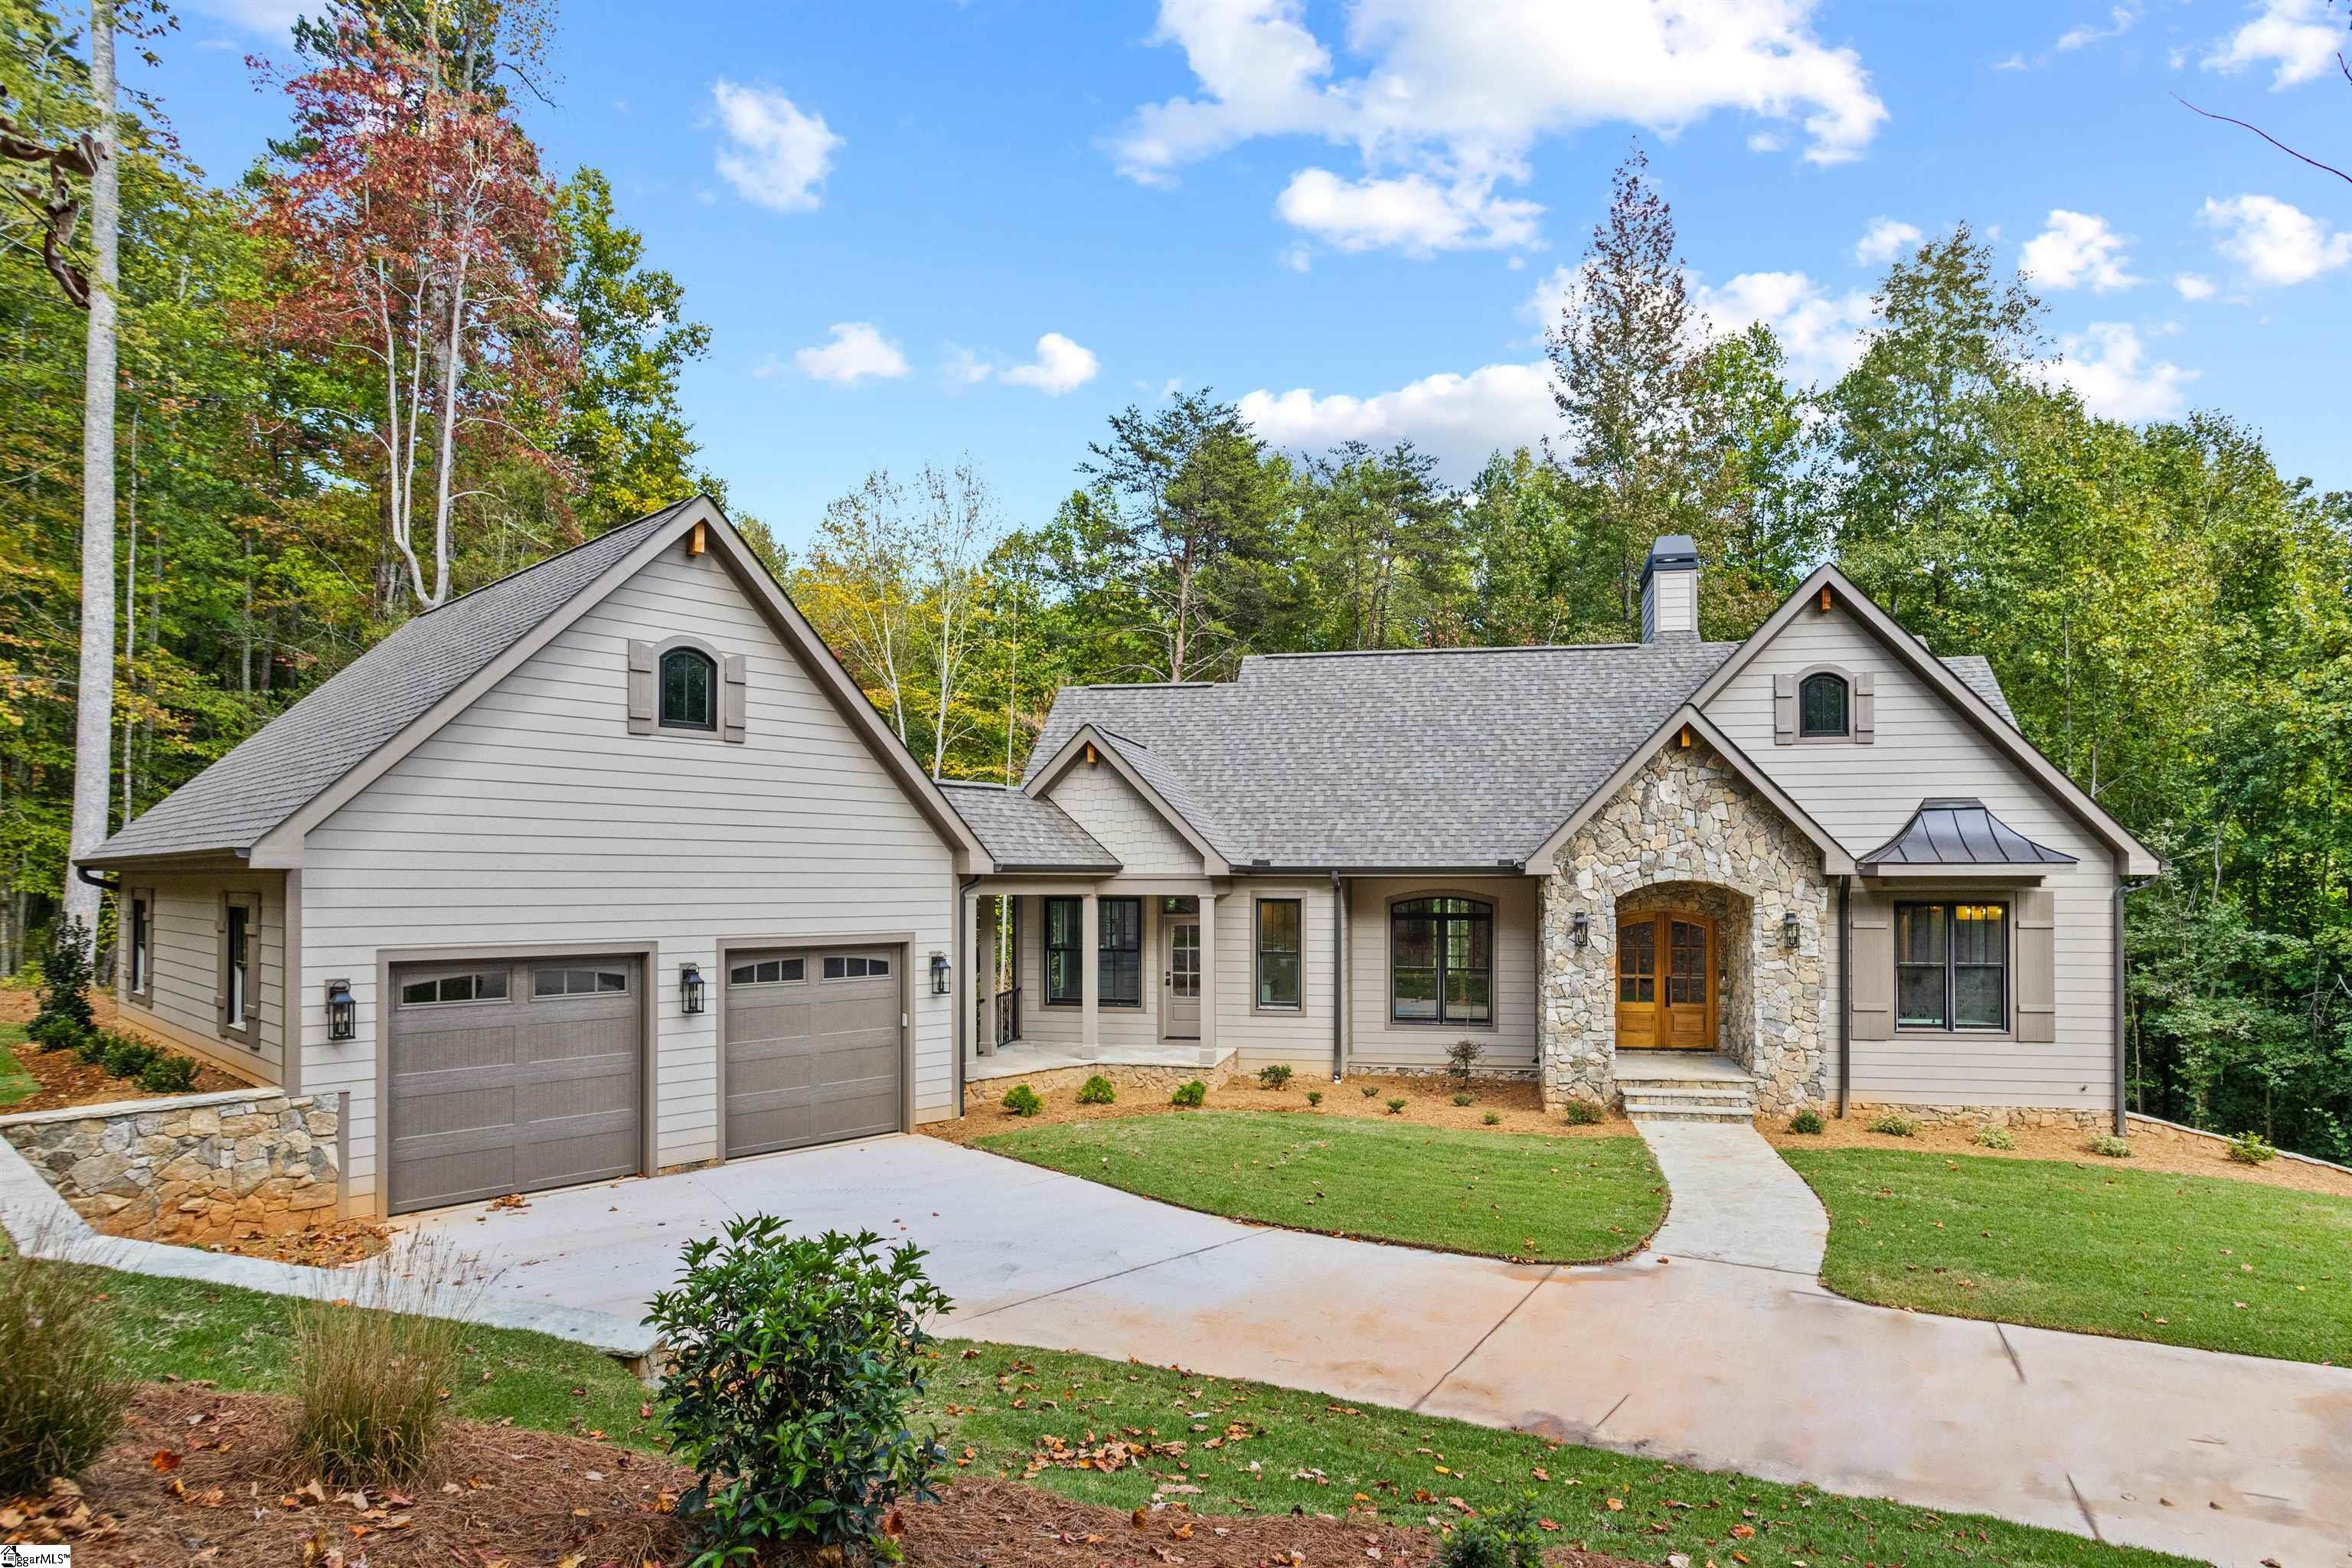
{"points": [[1725, 1354]]}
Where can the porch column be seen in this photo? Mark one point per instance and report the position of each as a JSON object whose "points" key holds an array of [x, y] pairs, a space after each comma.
{"points": [[1208, 975], [979, 979], [1089, 978]]}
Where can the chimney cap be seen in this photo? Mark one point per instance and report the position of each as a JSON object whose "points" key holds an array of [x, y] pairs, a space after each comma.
{"points": [[1672, 553]]}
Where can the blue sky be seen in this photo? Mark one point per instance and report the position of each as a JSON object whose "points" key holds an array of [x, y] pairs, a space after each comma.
{"points": [[921, 229]]}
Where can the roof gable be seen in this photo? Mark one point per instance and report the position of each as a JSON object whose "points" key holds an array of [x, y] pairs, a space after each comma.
{"points": [[1146, 776]]}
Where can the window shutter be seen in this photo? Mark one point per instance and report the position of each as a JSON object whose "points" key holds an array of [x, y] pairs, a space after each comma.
{"points": [[220, 969], [641, 687], [2037, 966], [253, 962], [1872, 957], [733, 689], [1866, 708], [1784, 710]]}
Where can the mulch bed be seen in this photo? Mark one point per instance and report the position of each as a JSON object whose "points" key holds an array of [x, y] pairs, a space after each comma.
{"points": [[65, 1082], [200, 1476]]}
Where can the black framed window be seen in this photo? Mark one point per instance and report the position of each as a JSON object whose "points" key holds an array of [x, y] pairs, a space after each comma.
{"points": [[1441, 960], [239, 963], [1120, 962], [1822, 702], [690, 690], [1065, 977], [1280, 927], [1951, 966]]}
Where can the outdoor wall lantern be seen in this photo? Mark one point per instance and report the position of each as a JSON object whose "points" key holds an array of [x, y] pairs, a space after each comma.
{"points": [[342, 1011], [1788, 929], [1580, 928], [690, 988], [939, 974]]}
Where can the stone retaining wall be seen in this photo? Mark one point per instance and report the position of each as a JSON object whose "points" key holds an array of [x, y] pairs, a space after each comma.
{"points": [[1974, 1116], [193, 1168]]}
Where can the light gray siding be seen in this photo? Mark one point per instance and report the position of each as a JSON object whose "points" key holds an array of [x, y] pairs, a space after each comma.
{"points": [[1302, 1038], [1120, 1028], [1123, 822], [183, 1003], [535, 818], [1924, 748], [1376, 1041]]}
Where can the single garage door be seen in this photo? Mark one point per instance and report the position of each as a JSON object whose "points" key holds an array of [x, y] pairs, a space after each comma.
{"points": [[506, 1076], [813, 1046]]}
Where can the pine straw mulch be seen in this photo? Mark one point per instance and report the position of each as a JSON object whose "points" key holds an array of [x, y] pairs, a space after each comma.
{"points": [[63, 1078], [200, 1476]]}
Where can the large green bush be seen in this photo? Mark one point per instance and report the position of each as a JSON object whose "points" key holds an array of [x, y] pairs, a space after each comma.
{"points": [[64, 981], [795, 1361]]}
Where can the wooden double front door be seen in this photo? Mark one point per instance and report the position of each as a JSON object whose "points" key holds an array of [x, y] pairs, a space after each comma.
{"points": [[1665, 983]]}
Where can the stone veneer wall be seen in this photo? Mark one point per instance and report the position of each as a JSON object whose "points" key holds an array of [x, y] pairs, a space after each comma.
{"points": [[210, 1167], [1974, 1116], [1687, 816]]}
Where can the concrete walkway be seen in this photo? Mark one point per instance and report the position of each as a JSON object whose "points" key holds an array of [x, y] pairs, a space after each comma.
{"points": [[1716, 1348]]}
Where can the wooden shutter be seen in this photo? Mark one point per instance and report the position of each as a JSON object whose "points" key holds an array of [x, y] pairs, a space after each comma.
{"points": [[1866, 708], [220, 969], [1784, 710], [1872, 954], [2037, 966], [641, 696], [733, 689], [253, 960]]}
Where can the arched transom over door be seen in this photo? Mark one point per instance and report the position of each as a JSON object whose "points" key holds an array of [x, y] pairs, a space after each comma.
{"points": [[1665, 982]]}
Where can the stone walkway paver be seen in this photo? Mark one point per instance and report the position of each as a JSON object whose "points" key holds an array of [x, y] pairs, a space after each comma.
{"points": [[1734, 1200]]}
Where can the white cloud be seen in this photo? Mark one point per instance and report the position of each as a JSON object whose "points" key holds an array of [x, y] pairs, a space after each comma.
{"points": [[1767, 142], [2014, 62], [1300, 259], [768, 368], [2108, 367], [1457, 96], [2121, 18], [776, 156], [255, 16], [1884, 240], [859, 350], [1461, 419], [2077, 250], [2274, 242], [1821, 332], [1415, 214], [1060, 366], [2295, 34], [2192, 285]]}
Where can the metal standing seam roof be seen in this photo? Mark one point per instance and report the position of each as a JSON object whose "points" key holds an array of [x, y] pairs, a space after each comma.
{"points": [[1022, 832], [1961, 831], [274, 772]]}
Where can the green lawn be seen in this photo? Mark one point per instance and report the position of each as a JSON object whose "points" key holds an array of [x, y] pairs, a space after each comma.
{"points": [[1280, 1449], [1499, 1194], [2100, 1247], [15, 1083]]}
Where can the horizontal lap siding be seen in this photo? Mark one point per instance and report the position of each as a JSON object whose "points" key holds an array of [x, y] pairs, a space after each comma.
{"points": [[1302, 1039], [535, 818], [1864, 794], [185, 952], [1376, 1041]]}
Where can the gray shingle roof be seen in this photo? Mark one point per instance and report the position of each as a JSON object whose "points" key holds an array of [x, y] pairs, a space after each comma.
{"points": [[1448, 758], [274, 773], [1022, 832], [1960, 832], [1976, 673]]}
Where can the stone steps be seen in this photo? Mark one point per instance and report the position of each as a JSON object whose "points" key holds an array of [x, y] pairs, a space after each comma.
{"points": [[1702, 1092]]}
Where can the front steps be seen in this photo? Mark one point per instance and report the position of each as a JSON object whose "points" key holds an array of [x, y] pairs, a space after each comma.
{"points": [[1684, 1086]]}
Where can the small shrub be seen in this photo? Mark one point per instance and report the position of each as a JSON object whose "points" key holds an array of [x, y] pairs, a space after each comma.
{"points": [[1808, 1122], [1493, 1119], [1274, 1075], [1465, 1098], [1991, 1137], [1096, 1090], [2110, 1146], [1314, 1097], [2253, 1149], [1021, 1100], [1579, 1112], [1191, 1096], [65, 976], [1511, 1539], [57, 1033], [1462, 1059], [127, 1058], [1894, 1126], [809, 1446], [169, 1075], [60, 1402], [1370, 1089], [1396, 1108], [90, 1049], [371, 1371]]}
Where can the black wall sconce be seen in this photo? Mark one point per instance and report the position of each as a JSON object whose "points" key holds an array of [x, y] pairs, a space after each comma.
{"points": [[1788, 929], [690, 988], [939, 974], [342, 1011], [1579, 929]]}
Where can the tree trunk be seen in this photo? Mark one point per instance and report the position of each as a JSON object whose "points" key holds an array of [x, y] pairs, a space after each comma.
{"points": [[94, 714]]}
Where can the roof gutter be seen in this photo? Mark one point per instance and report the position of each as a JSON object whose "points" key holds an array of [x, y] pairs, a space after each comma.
{"points": [[2124, 888], [1489, 868]]}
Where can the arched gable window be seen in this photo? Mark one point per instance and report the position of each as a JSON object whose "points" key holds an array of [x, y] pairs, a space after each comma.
{"points": [[1824, 704], [1441, 960], [690, 690]]}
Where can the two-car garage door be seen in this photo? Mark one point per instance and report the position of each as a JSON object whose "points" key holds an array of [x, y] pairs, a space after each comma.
{"points": [[509, 1076]]}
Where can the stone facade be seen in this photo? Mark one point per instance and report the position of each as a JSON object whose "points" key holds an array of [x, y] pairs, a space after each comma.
{"points": [[1686, 831], [212, 1167], [1974, 1116]]}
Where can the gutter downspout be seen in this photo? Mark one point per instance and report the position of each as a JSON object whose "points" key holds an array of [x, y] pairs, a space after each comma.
{"points": [[2124, 888], [1845, 994], [1338, 979]]}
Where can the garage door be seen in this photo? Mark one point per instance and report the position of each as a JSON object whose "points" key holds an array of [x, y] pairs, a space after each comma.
{"points": [[506, 1076], [813, 1046]]}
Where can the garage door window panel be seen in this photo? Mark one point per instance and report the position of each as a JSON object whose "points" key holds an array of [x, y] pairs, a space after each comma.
{"points": [[474, 985], [568, 982], [770, 972]]}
